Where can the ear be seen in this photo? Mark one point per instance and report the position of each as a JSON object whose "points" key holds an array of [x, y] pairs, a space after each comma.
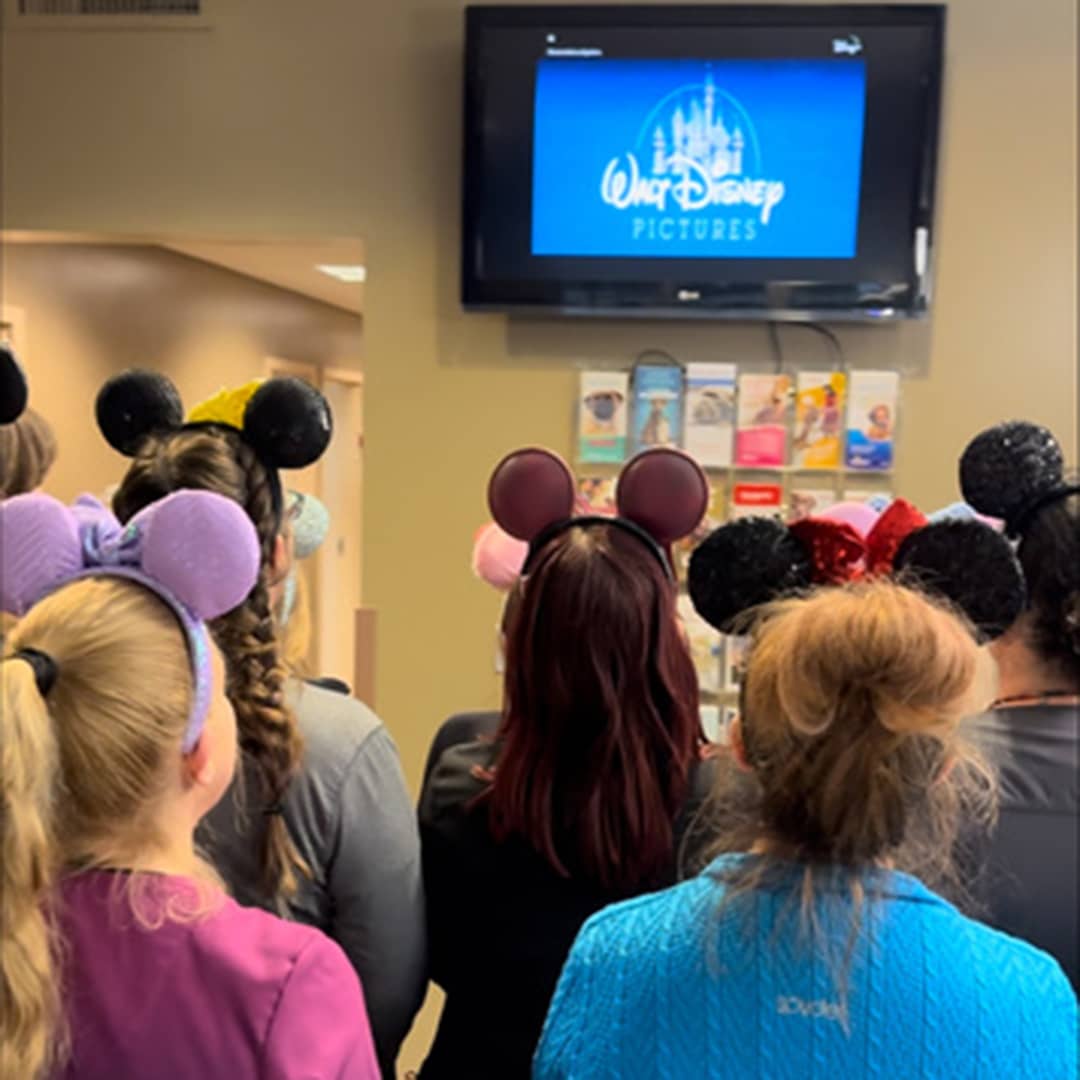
{"points": [[744, 564], [135, 404], [13, 388], [288, 423], [280, 559], [202, 547], [530, 490], [40, 549], [971, 565], [738, 747], [1005, 467], [199, 769], [665, 492]]}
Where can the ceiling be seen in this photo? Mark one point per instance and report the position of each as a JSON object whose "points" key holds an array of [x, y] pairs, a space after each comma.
{"points": [[288, 264]]}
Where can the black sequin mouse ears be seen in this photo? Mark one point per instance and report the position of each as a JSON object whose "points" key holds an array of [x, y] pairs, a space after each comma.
{"points": [[286, 421], [661, 496], [1013, 470], [14, 392], [756, 560]]}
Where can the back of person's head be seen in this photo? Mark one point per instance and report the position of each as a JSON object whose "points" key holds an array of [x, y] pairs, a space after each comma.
{"points": [[850, 712], [1050, 555], [1016, 471], [27, 453], [601, 717], [216, 458], [83, 771]]}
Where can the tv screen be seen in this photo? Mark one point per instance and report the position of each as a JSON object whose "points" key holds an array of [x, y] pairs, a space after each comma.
{"points": [[729, 161]]}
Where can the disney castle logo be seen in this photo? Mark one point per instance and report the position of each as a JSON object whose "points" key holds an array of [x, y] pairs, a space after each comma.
{"points": [[697, 162]]}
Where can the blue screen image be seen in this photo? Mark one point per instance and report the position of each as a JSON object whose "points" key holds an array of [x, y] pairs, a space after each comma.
{"points": [[752, 159]]}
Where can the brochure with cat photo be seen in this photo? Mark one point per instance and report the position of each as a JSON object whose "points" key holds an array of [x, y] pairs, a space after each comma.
{"points": [[764, 407], [602, 408], [596, 495], [710, 414], [819, 420], [658, 399]]}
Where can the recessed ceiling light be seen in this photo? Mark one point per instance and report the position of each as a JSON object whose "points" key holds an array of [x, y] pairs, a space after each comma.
{"points": [[354, 275]]}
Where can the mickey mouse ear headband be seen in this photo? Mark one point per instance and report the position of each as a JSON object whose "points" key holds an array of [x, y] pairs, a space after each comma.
{"points": [[661, 496], [286, 421], [750, 562], [196, 550], [13, 388], [1012, 471]]}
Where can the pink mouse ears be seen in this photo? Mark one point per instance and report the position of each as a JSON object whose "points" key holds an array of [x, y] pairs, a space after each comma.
{"points": [[198, 551], [661, 495]]}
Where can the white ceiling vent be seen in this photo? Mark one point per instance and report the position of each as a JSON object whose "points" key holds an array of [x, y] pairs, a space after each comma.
{"points": [[106, 14]]}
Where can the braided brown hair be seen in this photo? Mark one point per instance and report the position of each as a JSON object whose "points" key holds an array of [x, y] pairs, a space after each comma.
{"points": [[216, 458]]}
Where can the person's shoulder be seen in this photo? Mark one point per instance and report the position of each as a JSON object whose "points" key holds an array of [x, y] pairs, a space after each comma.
{"points": [[653, 917], [461, 773], [1028, 966], [333, 725]]}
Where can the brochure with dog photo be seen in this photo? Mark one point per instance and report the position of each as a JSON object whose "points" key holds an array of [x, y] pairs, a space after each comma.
{"points": [[764, 405], [602, 417], [596, 495], [710, 413], [658, 398]]}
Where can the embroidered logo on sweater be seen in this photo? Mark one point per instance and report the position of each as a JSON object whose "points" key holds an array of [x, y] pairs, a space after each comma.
{"points": [[814, 1010]]}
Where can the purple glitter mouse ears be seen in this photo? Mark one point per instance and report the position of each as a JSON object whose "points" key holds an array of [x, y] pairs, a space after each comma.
{"points": [[196, 550]]}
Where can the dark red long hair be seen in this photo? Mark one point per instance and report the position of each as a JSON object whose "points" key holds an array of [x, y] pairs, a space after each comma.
{"points": [[600, 720]]}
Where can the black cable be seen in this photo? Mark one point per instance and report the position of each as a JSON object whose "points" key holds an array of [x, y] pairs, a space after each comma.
{"points": [[777, 349]]}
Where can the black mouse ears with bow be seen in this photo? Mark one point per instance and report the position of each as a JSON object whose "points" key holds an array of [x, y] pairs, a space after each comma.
{"points": [[14, 392], [286, 421], [1011, 471], [661, 496], [751, 562]]}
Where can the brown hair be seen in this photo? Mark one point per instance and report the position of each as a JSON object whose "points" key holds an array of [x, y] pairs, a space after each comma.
{"points": [[27, 453], [216, 458], [79, 776], [601, 720], [850, 710]]}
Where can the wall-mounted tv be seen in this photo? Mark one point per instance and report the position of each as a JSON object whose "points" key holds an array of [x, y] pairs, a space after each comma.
{"points": [[727, 161]]}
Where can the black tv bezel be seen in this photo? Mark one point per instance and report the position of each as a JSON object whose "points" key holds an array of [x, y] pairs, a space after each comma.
{"points": [[779, 300]]}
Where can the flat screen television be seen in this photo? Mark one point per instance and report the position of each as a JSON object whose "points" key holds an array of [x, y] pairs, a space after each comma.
{"points": [[727, 161]]}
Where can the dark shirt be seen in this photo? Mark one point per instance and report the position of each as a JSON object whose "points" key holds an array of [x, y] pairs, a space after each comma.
{"points": [[1029, 882], [500, 921], [460, 728]]}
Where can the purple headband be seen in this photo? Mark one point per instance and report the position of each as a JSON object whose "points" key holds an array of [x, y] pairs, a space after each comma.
{"points": [[196, 550]]}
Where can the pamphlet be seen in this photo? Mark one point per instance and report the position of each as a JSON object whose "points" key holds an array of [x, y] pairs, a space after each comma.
{"points": [[710, 413], [819, 419], [871, 422], [761, 439], [602, 404], [658, 397]]}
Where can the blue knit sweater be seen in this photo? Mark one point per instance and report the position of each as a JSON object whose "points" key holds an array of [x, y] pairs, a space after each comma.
{"points": [[667, 986]]}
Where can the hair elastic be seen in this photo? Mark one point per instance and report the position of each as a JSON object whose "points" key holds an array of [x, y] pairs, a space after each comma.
{"points": [[44, 667], [1019, 522]]}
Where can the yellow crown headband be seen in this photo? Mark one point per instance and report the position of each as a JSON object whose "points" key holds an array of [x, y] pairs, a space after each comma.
{"points": [[226, 406]]}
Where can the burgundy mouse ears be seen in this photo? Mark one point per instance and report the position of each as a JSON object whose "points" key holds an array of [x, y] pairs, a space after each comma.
{"points": [[13, 389], [286, 421], [755, 560], [661, 492]]}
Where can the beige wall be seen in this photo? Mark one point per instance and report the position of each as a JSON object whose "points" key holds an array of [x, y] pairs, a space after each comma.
{"points": [[337, 117], [89, 311]]}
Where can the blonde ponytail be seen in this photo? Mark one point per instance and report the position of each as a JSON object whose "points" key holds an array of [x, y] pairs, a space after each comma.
{"points": [[29, 997]]}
